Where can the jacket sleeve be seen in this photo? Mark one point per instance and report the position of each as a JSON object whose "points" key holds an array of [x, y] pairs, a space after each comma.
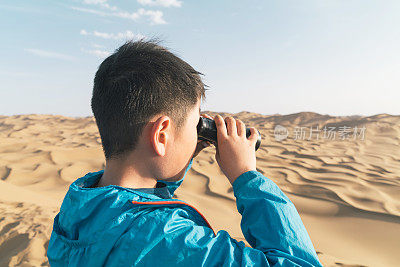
{"points": [[270, 223]]}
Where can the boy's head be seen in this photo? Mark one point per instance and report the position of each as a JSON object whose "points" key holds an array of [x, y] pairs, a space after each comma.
{"points": [[146, 103]]}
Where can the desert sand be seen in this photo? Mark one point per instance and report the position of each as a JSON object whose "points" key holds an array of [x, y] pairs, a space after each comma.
{"points": [[346, 189]]}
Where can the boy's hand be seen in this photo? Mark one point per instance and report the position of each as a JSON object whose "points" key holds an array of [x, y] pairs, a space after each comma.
{"points": [[202, 144], [235, 153]]}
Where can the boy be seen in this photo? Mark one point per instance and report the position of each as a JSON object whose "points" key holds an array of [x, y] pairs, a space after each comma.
{"points": [[146, 102]]}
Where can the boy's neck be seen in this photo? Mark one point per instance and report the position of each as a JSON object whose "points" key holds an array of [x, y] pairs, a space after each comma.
{"points": [[130, 176], [104, 181]]}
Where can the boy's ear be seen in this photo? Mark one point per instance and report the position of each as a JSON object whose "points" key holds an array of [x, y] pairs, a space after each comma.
{"points": [[160, 134]]}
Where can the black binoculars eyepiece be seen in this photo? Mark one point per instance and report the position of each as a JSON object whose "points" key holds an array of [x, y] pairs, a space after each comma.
{"points": [[207, 131]]}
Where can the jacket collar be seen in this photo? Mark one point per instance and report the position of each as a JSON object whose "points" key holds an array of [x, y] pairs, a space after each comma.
{"points": [[83, 205], [84, 184]]}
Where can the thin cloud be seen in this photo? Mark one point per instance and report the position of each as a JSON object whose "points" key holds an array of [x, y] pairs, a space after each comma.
{"points": [[97, 52], [49, 54], [17, 74], [115, 36], [102, 3], [155, 16], [163, 3], [98, 46], [94, 1], [93, 11]]}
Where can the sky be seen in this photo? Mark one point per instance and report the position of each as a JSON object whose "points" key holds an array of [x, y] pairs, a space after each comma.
{"points": [[336, 57]]}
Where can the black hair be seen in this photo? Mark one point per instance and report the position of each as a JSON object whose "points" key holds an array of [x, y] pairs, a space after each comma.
{"points": [[139, 80]]}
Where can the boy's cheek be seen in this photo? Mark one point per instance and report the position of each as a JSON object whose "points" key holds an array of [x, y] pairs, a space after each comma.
{"points": [[196, 143]]}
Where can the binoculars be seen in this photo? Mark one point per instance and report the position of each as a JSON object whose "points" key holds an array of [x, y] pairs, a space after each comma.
{"points": [[207, 131]]}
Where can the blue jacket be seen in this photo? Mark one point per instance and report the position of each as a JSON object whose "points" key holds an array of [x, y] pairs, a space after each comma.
{"points": [[117, 226]]}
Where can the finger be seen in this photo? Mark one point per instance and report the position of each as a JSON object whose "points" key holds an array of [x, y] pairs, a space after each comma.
{"points": [[206, 116], [253, 135], [221, 127], [241, 128], [217, 156], [231, 126]]}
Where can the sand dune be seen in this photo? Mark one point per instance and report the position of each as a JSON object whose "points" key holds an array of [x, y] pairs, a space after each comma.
{"points": [[346, 191]]}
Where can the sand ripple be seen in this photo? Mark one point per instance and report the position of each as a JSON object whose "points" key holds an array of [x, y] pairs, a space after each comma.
{"points": [[328, 180]]}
